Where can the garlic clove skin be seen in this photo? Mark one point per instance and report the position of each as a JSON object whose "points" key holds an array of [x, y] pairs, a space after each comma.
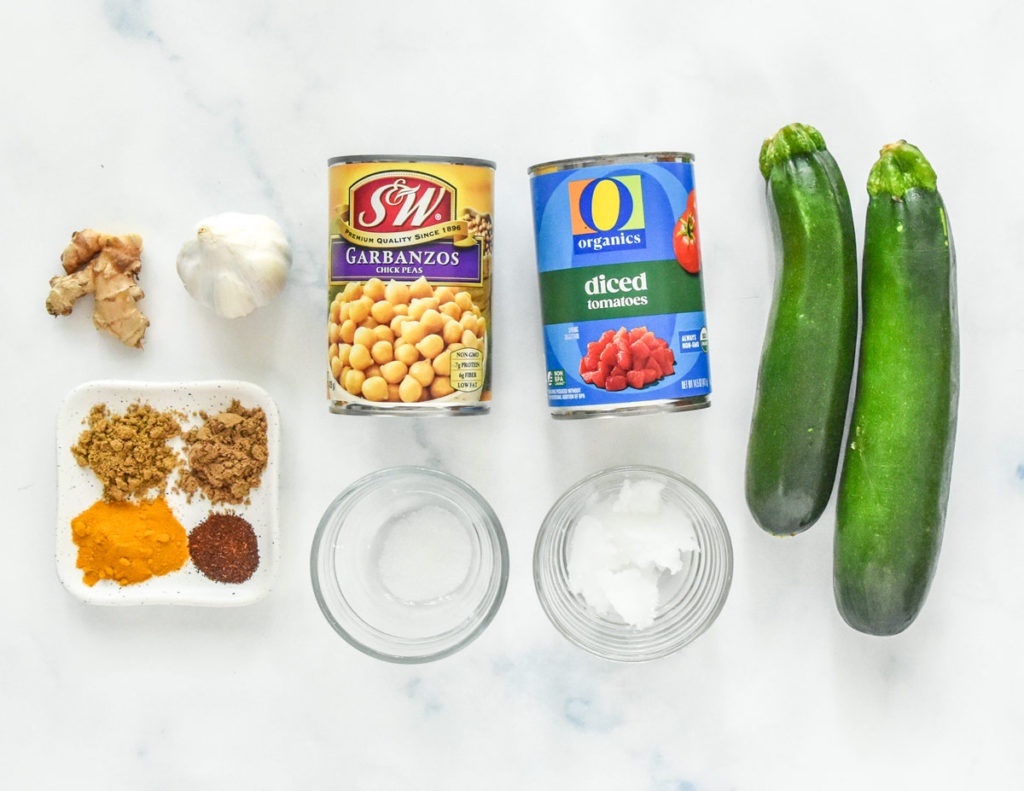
{"points": [[237, 263]]}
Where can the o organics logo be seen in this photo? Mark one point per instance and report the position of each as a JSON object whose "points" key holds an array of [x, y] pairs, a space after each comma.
{"points": [[607, 214]]}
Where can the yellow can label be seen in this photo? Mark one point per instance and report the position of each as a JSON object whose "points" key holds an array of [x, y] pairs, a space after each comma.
{"points": [[409, 284]]}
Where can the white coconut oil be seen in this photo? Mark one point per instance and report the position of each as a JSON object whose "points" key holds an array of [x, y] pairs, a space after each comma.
{"points": [[624, 546]]}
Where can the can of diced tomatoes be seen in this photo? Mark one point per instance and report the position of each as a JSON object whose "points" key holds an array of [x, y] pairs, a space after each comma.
{"points": [[622, 300], [409, 284]]}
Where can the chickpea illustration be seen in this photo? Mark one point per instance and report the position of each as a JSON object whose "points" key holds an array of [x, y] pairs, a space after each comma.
{"points": [[421, 288], [360, 309], [359, 357], [396, 293], [393, 341], [432, 321], [452, 332], [430, 346], [382, 352], [374, 289], [413, 331], [441, 386], [410, 390], [407, 353], [354, 381], [442, 364], [468, 322], [364, 336], [422, 372], [375, 389], [383, 311], [394, 372]]}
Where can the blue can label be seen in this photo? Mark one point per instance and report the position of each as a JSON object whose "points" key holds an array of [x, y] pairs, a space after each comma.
{"points": [[620, 279]]}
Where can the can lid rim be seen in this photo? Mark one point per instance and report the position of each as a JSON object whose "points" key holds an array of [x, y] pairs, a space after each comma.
{"points": [[609, 159], [406, 158]]}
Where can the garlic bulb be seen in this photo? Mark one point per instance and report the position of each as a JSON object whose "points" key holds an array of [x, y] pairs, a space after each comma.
{"points": [[236, 263]]}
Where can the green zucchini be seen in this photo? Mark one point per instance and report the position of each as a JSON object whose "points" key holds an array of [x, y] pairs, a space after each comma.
{"points": [[895, 480], [803, 383]]}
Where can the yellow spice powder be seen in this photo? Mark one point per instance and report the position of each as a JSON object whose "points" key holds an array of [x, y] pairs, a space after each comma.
{"points": [[128, 542]]}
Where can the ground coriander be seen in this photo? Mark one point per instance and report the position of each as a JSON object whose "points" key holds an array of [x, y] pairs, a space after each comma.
{"points": [[129, 453]]}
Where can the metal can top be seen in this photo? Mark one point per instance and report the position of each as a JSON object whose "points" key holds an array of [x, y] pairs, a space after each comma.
{"points": [[385, 158], [609, 159]]}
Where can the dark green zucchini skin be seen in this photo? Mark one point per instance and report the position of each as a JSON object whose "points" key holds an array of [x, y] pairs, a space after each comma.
{"points": [[803, 383], [896, 471]]}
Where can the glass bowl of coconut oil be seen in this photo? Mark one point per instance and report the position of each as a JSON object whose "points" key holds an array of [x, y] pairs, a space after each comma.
{"points": [[632, 563], [409, 564]]}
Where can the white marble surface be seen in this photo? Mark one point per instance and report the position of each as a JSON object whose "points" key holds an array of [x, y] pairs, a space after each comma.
{"points": [[147, 116]]}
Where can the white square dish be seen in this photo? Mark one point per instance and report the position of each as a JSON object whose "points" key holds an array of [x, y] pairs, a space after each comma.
{"points": [[78, 488]]}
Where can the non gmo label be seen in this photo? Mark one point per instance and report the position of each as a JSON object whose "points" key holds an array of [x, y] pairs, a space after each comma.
{"points": [[467, 370]]}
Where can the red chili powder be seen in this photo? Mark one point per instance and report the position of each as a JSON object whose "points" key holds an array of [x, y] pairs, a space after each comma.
{"points": [[224, 548]]}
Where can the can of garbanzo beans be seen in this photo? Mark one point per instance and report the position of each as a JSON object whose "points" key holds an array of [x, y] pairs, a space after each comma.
{"points": [[409, 284]]}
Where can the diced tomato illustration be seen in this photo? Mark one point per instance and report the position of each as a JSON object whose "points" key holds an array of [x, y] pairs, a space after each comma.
{"points": [[640, 353], [624, 358]]}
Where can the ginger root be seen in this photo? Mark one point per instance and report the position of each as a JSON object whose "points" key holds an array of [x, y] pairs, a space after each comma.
{"points": [[106, 266]]}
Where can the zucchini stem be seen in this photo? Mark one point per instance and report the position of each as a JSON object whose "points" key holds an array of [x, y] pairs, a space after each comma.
{"points": [[900, 167]]}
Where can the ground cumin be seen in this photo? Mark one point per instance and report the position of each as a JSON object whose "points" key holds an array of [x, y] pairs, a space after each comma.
{"points": [[128, 542], [128, 453], [226, 455]]}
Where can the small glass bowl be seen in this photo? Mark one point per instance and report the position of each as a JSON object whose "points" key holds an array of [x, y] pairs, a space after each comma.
{"points": [[689, 601], [409, 564]]}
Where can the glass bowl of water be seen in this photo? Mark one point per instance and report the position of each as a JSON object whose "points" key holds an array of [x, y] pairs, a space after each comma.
{"points": [[409, 564]]}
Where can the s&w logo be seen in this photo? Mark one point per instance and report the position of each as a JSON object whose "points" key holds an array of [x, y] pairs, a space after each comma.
{"points": [[400, 201]]}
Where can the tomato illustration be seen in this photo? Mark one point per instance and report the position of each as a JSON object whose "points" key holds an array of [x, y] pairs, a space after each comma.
{"points": [[686, 239]]}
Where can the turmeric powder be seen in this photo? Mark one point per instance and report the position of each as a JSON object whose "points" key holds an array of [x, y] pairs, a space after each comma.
{"points": [[128, 542]]}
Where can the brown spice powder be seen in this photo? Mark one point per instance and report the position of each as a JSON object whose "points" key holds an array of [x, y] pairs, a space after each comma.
{"points": [[226, 455], [128, 453], [224, 548]]}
